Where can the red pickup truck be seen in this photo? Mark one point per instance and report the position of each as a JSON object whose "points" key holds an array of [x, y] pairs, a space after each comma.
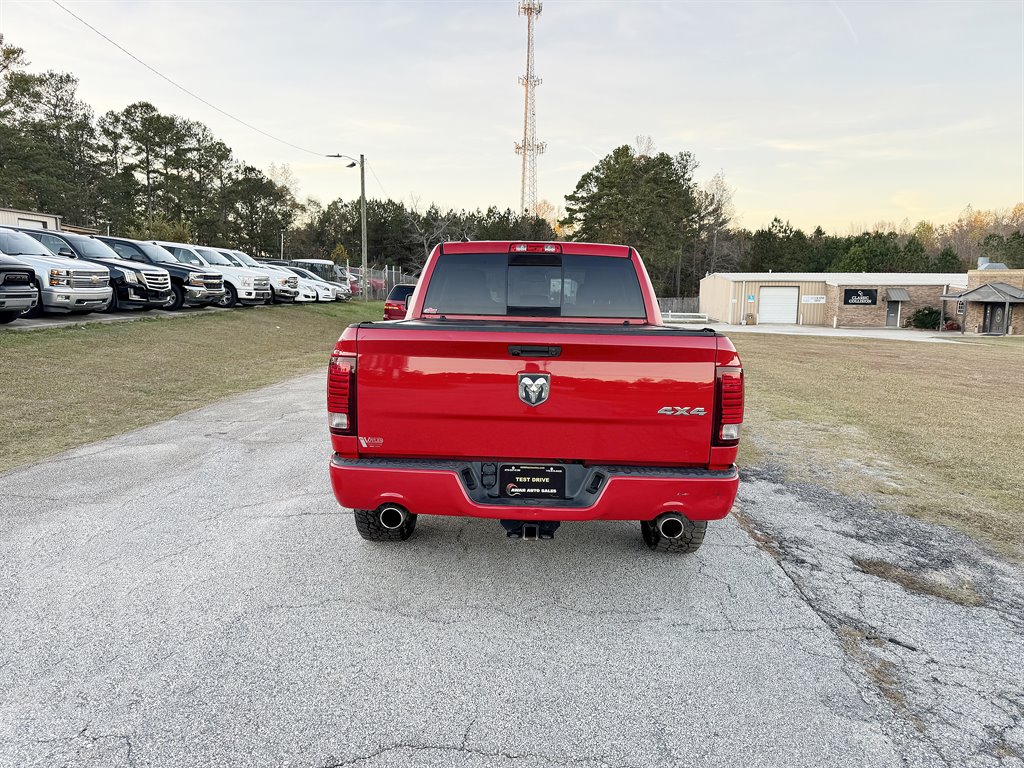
{"points": [[534, 383]]}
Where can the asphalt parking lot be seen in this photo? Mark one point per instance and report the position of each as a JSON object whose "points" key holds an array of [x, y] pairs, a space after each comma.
{"points": [[190, 594]]}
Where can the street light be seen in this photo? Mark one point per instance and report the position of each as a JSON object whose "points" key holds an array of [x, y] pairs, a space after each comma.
{"points": [[361, 162]]}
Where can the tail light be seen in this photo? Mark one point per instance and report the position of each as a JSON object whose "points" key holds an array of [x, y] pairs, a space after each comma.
{"points": [[728, 405], [535, 248], [341, 394]]}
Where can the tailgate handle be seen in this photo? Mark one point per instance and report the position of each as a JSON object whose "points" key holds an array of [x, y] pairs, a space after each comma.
{"points": [[517, 350]]}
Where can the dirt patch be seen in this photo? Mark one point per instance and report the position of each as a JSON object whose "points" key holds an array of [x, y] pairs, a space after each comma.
{"points": [[1002, 750], [759, 537], [963, 593], [883, 673]]}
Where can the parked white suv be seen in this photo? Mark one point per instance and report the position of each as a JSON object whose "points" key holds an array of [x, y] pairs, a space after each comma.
{"points": [[65, 285], [242, 285]]}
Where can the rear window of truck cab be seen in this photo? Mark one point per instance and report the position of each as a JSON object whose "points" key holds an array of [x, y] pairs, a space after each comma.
{"points": [[401, 292], [534, 285]]}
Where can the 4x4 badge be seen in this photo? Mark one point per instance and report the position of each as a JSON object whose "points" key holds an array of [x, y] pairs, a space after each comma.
{"points": [[675, 410], [534, 388]]}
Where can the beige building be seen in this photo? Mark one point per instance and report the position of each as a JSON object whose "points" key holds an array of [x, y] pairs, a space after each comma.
{"points": [[12, 217], [859, 300]]}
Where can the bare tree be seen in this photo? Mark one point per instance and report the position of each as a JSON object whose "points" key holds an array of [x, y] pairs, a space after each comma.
{"points": [[551, 214], [717, 196], [644, 146], [283, 176], [429, 228]]}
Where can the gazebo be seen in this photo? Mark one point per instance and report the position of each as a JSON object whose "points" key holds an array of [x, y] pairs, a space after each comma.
{"points": [[996, 299]]}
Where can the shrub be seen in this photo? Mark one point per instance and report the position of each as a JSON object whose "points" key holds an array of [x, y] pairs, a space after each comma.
{"points": [[926, 317], [952, 325]]}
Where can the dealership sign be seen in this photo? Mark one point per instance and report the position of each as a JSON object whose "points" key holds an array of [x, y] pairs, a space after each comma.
{"points": [[859, 296]]}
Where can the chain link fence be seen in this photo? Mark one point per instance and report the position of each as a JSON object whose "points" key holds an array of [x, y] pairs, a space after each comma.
{"points": [[379, 282]]}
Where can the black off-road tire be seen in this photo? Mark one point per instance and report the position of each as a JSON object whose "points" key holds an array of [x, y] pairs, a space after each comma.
{"points": [[230, 297], [177, 299], [37, 310], [369, 527], [9, 317], [114, 305], [690, 541]]}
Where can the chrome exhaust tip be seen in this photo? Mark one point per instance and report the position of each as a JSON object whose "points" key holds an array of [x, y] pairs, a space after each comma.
{"points": [[392, 517], [670, 525]]}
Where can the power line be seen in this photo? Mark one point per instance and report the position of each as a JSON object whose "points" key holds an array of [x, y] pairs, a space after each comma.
{"points": [[200, 98], [378, 181], [183, 88]]}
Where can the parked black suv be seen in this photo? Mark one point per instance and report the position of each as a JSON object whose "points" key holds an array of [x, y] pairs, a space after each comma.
{"points": [[135, 286], [190, 286], [18, 292]]}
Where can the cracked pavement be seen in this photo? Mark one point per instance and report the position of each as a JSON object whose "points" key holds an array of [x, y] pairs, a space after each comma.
{"points": [[191, 594]]}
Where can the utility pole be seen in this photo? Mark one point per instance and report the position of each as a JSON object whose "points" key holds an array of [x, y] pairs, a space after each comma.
{"points": [[530, 147], [362, 216], [282, 245]]}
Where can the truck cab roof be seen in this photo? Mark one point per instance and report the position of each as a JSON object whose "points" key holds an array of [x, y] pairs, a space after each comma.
{"points": [[524, 281]]}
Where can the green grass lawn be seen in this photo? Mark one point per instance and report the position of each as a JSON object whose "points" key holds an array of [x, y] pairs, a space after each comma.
{"points": [[932, 430], [65, 387]]}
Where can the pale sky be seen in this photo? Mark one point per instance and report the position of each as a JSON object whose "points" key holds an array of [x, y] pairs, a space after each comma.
{"points": [[832, 113]]}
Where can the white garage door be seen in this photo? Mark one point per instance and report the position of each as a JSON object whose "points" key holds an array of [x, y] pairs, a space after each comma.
{"points": [[777, 305]]}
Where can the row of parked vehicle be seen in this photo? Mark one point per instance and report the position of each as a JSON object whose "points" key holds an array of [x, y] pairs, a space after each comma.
{"points": [[43, 271]]}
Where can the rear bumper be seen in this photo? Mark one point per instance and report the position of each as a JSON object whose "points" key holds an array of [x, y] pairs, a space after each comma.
{"points": [[625, 493]]}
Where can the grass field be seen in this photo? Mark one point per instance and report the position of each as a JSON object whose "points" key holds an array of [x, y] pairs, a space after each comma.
{"points": [[932, 430], [65, 387]]}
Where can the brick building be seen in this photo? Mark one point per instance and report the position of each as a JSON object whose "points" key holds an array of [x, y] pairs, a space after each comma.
{"points": [[853, 300], [992, 302]]}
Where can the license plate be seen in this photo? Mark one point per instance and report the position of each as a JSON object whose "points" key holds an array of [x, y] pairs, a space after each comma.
{"points": [[532, 481]]}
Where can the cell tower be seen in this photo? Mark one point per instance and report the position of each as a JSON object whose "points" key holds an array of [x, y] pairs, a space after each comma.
{"points": [[530, 147]]}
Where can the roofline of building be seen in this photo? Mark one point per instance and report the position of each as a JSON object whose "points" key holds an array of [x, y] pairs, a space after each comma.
{"points": [[849, 278], [56, 216], [999, 288]]}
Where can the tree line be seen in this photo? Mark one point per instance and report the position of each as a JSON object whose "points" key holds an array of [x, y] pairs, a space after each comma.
{"points": [[146, 174], [685, 230]]}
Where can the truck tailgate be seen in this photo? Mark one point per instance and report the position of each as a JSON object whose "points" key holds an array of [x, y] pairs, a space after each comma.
{"points": [[616, 395]]}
